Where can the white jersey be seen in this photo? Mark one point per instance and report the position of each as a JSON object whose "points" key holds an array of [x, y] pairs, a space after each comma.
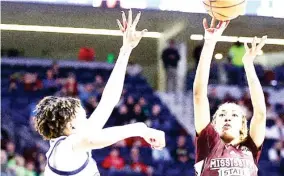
{"points": [[63, 161]]}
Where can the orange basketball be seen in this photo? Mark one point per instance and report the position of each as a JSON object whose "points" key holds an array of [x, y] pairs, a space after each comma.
{"points": [[224, 10]]}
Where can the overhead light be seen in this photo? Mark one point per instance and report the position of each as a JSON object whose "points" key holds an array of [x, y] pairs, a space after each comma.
{"points": [[70, 30], [228, 39], [196, 37], [248, 39], [218, 56], [233, 39]]}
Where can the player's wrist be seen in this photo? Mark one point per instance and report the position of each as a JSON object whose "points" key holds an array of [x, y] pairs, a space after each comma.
{"points": [[126, 49], [141, 128], [248, 65], [248, 60], [210, 42]]}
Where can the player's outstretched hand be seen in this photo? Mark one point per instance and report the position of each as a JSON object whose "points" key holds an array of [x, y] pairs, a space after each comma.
{"points": [[156, 138], [131, 37], [212, 33], [252, 52]]}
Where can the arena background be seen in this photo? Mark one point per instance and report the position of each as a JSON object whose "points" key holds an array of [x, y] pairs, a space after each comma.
{"points": [[262, 18]]}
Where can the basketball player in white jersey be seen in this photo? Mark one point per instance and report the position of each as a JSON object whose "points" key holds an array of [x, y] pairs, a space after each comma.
{"points": [[72, 136]]}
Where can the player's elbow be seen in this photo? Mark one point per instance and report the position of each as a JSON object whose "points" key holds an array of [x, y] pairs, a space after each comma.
{"points": [[98, 142], [199, 96], [260, 115], [198, 90], [97, 145]]}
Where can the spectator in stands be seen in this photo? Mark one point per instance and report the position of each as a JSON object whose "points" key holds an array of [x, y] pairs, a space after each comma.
{"points": [[30, 153], [99, 84], [40, 162], [30, 171], [114, 160], [50, 82], [85, 91], [138, 115], [181, 152], [184, 161], [130, 104], [71, 85], [156, 110], [133, 69], [5, 171], [10, 149], [276, 153], [91, 104], [17, 165], [55, 70], [144, 105], [123, 116], [236, 71], [14, 78], [41, 170], [276, 131], [32, 82], [137, 165], [171, 57], [236, 53], [157, 120]]}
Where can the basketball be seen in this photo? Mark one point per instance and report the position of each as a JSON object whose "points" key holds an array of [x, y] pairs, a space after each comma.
{"points": [[224, 10]]}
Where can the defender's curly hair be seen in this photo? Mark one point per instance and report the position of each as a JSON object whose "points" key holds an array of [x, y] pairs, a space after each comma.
{"points": [[244, 129], [52, 115]]}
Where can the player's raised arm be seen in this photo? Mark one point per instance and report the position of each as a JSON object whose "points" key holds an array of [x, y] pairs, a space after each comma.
{"points": [[201, 104], [112, 135], [258, 122], [114, 86]]}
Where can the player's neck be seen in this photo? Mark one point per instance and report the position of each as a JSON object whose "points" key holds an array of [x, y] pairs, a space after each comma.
{"points": [[233, 142]]}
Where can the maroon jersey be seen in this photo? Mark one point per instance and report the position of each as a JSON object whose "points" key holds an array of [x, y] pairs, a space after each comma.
{"points": [[215, 158]]}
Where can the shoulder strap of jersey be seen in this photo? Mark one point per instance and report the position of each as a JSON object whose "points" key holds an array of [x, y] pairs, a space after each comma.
{"points": [[59, 172]]}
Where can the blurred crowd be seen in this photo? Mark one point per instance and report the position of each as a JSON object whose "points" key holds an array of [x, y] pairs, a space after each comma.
{"points": [[30, 163], [31, 160]]}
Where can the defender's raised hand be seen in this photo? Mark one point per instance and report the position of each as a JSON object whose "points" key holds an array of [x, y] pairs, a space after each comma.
{"points": [[252, 52], [212, 32], [156, 138], [131, 37]]}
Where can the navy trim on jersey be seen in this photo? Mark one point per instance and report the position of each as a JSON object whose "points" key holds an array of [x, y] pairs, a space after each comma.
{"points": [[59, 172]]}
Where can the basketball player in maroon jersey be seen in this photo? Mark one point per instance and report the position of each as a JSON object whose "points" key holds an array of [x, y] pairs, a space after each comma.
{"points": [[225, 147]]}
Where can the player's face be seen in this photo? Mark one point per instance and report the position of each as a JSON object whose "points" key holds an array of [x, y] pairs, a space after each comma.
{"points": [[229, 122], [80, 120]]}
